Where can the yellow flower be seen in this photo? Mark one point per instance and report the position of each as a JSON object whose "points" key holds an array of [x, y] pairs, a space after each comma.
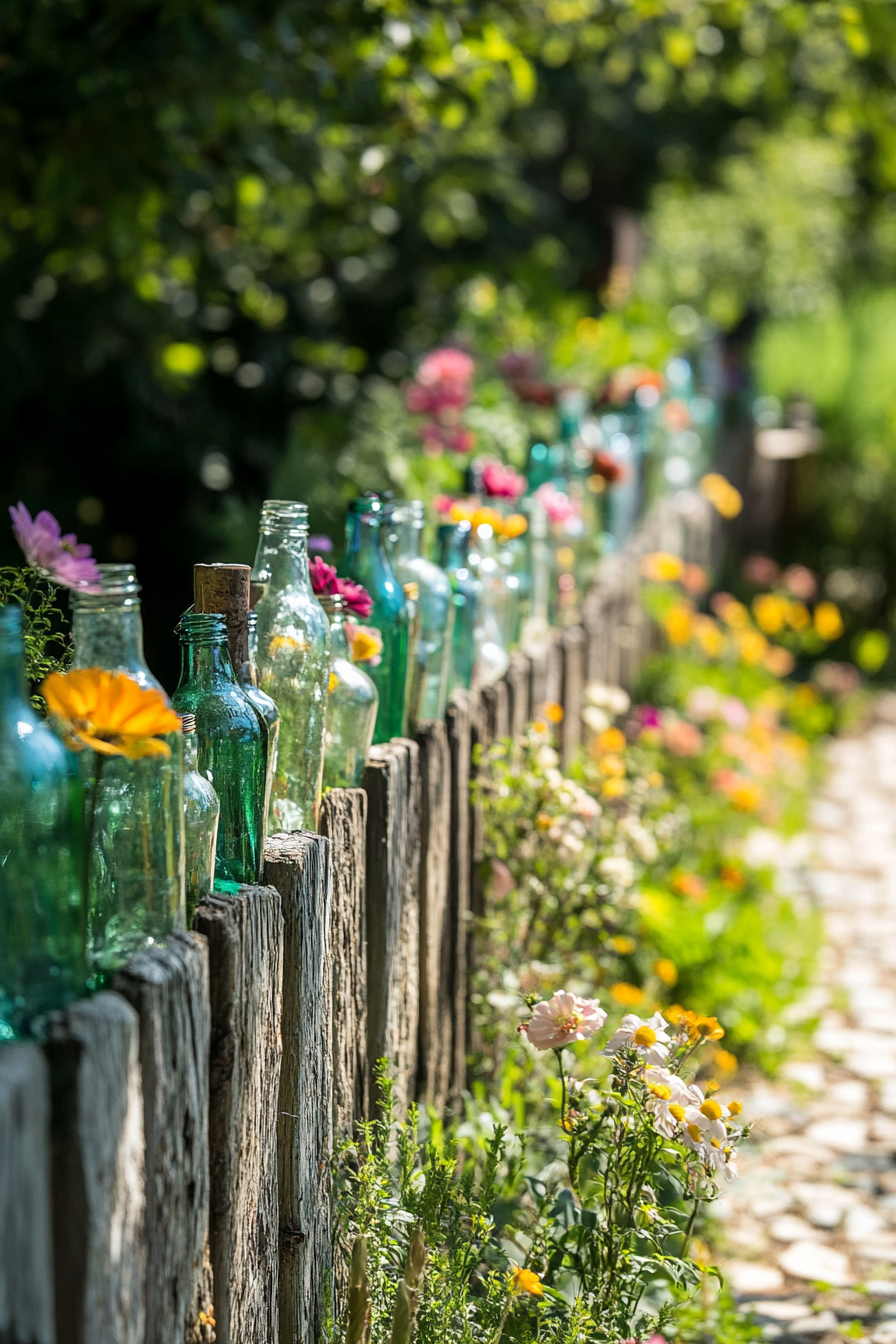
{"points": [[552, 712], [366, 644], [722, 495], [798, 617], [566, 557], [622, 945], [611, 765], [544, 821], [735, 614], [655, 779], [525, 1281], [627, 994], [751, 646], [709, 636], [613, 788], [411, 591], [611, 740], [770, 611], [332, 683], [286, 643], [514, 525], [486, 517], [828, 621], [726, 1062], [746, 796], [463, 511], [679, 624], [661, 567], [109, 712], [666, 971]]}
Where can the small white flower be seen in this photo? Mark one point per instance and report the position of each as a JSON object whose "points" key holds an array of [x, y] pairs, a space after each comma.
{"points": [[564, 1018], [650, 1038], [547, 758], [595, 719], [618, 869], [667, 1098]]}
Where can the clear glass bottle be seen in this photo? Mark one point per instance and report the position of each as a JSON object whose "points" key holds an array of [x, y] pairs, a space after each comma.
{"points": [[42, 916], [202, 811], [491, 659], [293, 660], [136, 861], [513, 557], [429, 680], [351, 707], [267, 711], [366, 562], [454, 557], [231, 744]]}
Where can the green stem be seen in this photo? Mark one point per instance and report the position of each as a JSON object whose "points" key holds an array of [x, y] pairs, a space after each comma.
{"points": [[690, 1227]]}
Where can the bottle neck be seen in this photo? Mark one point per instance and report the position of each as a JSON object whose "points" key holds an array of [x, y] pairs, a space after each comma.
{"points": [[191, 751], [406, 540], [338, 639], [281, 560], [206, 662], [109, 633]]}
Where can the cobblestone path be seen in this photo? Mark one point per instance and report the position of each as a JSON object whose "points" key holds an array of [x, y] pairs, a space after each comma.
{"points": [[809, 1234]]}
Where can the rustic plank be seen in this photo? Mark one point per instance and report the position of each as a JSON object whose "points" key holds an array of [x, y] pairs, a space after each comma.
{"points": [[343, 819], [538, 678], [299, 867], [459, 720], [494, 703], [99, 1198], [435, 1033], [245, 947], [169, 988], [392, 781], [26, 1253], [518, 679], [572, 650]]}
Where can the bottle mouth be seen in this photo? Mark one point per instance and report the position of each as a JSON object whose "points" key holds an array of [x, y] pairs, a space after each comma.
{"points": [[201, 627], [411, 511], [368, 507], [115, 581], [188, 723], [332, 603], [284, 515]]}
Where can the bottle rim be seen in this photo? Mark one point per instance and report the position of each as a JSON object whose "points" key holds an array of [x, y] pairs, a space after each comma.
{"points": [[284, 515], [115, 581], [188, 723], [407, 511], [201, 627], [368, 507], [332, 603]]}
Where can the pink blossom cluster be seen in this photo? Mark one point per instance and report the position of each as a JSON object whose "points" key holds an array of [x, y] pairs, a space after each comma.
{"points": [[62, 559], [325, 583], [441, 392], [558, 506], [502, 482]]}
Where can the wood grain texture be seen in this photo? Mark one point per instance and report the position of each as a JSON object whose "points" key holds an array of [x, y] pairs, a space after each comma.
{"points": [[225, 589], [99, 1198], [435, 1031], [460, 737], [299, 866], [392, 781], [26, 1252], [245, 944], [572, 650], [168, 986], [343, 819]]}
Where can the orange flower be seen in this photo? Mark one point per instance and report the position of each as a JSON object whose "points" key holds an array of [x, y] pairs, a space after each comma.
{"points": [[661, 567], [690, 885], [725, 1062], [778, 661], [679, 624], [109, 712], [514, 525], [525, 1281], [613, 788], [694, 579], [628, 995], [612, 739], [622, 944], [731, 877], [552, 712], [666, 970], [698, 1028]]}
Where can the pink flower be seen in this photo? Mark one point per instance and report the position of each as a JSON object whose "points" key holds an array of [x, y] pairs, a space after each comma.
{"points": [[443, 504], [562, 1019], [649, 716], [558, 506], [323, 577], [502, 482], [355, 597], [63, 559], [682, 738], [734, 712], [446, 364]]}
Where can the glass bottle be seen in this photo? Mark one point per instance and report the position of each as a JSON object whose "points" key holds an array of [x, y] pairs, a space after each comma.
{"points": [[42, 925], [366, 562], [491, 660], [202, 811], [231, 745], [136, 823], [429, 679], [351, 707], [293, 659], [513, 556], [454, 558], [267, 711]]}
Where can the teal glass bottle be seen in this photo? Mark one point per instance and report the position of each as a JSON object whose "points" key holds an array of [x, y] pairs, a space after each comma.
{"points": [[366, 562], [267, 711], [454, 557], [429, 674], [230, 741], [201, 813], [136, 861], [351, 707], [42, 917]]}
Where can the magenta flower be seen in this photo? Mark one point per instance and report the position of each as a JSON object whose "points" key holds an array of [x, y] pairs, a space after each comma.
{"points": [[323, 577], [558, 506], [325, 584], [564, 1018], [649, 716], [62, 559], [502, 482], [446, 364]]}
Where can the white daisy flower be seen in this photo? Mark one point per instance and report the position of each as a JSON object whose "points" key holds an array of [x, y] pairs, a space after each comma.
{"points": [[650, 1038]]}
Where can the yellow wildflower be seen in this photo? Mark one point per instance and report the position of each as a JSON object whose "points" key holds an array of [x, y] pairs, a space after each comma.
{"points": [[626, 994], [708, 635], [798, 617], [612, 766], [366, 643], [828, 621], [655, 779], [751, 646], [661, 567], [332, 683], [770, 611], [622, 945], [679, 624], [110, 712], [726, 1062], [722, 494], [514, 525], [525, 1281], [613, 788], [612, 739], [552, 711], [666, 970], [746, 796]]}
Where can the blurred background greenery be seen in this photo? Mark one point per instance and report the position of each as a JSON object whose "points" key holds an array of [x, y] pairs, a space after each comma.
{"points": [[227, 231]]}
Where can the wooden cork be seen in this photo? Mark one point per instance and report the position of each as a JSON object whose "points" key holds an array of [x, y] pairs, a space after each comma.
{"points": [[225, 589]]}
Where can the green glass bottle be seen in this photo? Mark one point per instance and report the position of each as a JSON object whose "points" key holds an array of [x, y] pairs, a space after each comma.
{"points": [[351, 707], [429, 674], [231, 745], [454, 541], [202, 811], [42, 918], [136, 863], [293, 659], [267, 711], [366, 562]]}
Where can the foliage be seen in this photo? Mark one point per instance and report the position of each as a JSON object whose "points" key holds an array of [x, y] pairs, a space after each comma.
{"points": [[47, 645]]}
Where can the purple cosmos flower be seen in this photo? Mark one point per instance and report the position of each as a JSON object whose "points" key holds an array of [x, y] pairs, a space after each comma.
{"points": [[318, 542], [63, 559]]}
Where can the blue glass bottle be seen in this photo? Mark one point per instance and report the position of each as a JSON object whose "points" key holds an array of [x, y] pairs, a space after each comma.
{"points": [[366, 562], [43, 926]]}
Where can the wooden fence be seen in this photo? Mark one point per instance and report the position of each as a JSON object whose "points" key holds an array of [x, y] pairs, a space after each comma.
{"points": [[165, 1156]]}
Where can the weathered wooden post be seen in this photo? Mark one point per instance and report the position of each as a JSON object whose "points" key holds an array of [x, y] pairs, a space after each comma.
{"points": [[461, 738], [392, 782], [299, 867], [435, 1033], [168, 987], [343, 819], [26, 1252], [245, 945], [572, 678]]}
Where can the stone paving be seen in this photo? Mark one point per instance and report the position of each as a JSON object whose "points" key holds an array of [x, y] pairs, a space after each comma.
{"points": [[808, 1237]]}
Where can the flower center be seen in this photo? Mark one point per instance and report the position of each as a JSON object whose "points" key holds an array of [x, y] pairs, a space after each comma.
{"points": [[712, 1110], [735, 1108], [660, 1090], [644, 1036], [676, 1111], [695, 1132], [571, 1023]]}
